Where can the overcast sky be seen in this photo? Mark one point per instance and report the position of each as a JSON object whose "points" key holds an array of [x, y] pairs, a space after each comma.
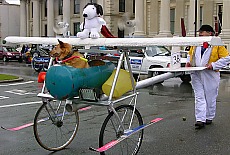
{"points": [[13, 1]]}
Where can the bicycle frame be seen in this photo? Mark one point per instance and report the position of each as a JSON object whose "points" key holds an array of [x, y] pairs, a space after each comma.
{"points": [[107, 101]]}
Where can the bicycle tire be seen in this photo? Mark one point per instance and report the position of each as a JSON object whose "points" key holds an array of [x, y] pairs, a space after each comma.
{"points": [[107, 132], [50, 132]]}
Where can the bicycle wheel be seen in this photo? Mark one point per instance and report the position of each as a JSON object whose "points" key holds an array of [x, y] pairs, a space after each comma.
{"points": [[112, 130], [55, 128]]}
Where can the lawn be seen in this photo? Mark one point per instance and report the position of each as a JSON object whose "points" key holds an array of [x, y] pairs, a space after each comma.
{"points": [[7, 77]]}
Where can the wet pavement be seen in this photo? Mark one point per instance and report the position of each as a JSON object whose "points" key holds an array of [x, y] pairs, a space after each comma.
{"points": [[171, 100]]}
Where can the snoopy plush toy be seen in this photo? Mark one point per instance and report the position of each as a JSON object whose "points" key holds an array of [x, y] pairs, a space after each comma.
{"points": [[93, 21]]}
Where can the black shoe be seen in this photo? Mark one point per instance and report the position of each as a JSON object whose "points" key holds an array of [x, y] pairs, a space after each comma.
{"points": [[199, 125], [208, 122]]}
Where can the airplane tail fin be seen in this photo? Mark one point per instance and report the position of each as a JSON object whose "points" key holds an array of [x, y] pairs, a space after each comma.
{"points": [[183, 31], [217, 26], [106, 33]]}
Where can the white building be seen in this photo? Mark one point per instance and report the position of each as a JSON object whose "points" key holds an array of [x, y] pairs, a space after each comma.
{"points": [[154, 18], [9, 20]]}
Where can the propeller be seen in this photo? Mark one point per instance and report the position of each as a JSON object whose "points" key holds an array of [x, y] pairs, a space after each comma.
{"points": [[61, 28], [127, 24]]}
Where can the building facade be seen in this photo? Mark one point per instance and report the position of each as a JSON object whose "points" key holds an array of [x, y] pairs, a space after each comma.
{"points": [[9, 20], [154, 18]]}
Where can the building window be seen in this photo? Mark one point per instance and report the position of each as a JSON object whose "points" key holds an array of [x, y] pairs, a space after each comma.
{"points": [[92, 1], [32, 10], [46, 30], [121, 5], [76, 6], [201, 16], [220, 15], [133, 6], [60, 6], [46, 8], [76, 27], [172, 20]]}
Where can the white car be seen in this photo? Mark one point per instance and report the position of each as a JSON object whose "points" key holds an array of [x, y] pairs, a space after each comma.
{"points": [[141, 60], [226, 69]]}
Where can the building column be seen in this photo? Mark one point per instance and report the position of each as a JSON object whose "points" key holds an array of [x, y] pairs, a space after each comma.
{"points": [[153, 18], [36, 18], [179, 13], [111, 8], [66, 11], [225, 33], [165, 19], [226, 20], [208, 12], [139, 18], [23, 17], [50, 18]]}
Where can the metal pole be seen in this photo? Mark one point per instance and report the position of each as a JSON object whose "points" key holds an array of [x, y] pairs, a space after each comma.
{"points": [[153, 80], [195, 17]]}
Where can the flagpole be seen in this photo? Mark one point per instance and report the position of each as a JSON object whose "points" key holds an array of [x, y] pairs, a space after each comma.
{"points": [[195, 17]]}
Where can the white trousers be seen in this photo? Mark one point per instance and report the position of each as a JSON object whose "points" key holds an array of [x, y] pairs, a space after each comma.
{"points": [[205, 85]]}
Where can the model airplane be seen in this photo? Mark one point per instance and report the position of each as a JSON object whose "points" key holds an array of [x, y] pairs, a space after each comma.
{"points": [[129, 42]]}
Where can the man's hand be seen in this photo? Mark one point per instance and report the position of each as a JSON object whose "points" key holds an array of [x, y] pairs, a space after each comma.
{"points": [[188, 64], [209, 66]]}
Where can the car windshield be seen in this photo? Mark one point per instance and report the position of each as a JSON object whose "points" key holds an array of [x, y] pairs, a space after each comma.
{"points": [[157, 50], [9, 49]]}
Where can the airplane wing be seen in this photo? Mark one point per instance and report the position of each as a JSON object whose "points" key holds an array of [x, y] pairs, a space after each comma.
{"points": [[170, 41], [180, 69]]}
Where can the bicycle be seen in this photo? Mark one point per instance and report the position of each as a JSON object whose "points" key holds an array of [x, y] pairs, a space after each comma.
{"points": [[56, 121]]}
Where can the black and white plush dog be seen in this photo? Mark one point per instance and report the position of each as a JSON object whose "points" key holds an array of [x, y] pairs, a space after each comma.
{"points": [[93, 21]]}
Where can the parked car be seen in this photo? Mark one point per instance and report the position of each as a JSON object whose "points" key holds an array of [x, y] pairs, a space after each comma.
{"points": [[102, 53], [40, 57], [226, 69], [40, 63], [9, 53], [143, 59]]}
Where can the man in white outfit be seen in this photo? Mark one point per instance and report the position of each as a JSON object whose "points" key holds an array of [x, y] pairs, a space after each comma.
{"points": [[205, 83]]}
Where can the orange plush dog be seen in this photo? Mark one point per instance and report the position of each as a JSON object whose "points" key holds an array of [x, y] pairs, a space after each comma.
{"points": [[64, 51]]}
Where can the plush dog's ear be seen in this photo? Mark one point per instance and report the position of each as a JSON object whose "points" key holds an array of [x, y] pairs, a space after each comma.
{"points": [[99, 9], [87, 5]]}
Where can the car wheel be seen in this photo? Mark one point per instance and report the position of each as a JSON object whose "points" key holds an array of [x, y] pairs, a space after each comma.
{"points": [[5, 59], [185, 78], [20, 60], [135, 76], [35, 54], [45, 67], [36, 67], [152, 74]]}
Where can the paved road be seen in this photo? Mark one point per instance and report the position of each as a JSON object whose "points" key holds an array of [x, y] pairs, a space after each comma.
{"points": [[172, 101]]}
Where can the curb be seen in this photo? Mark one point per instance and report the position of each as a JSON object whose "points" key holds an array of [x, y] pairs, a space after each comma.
{"points": [[15, 80]]}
